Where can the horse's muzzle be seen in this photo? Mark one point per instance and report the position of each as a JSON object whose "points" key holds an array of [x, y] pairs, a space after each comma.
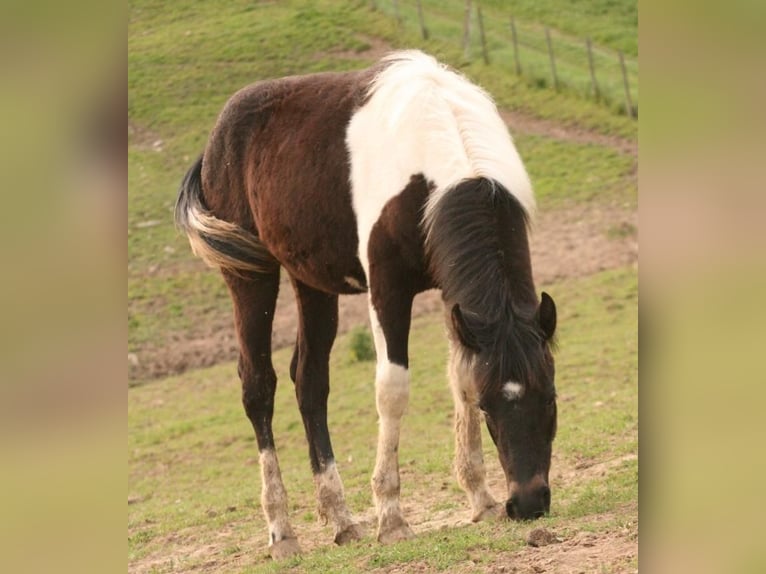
{"points": [[529, 505]]}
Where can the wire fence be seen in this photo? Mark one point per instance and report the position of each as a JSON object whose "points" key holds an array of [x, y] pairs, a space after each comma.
{"points": [[544, 57]]}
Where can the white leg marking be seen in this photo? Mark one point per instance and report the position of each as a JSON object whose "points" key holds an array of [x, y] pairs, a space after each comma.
{"points": [[469, 459], [274, 503], [332, 505], [392, 391]]}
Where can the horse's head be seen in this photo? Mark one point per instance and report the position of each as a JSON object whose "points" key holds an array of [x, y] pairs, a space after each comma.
{"points": [[513, 371]]}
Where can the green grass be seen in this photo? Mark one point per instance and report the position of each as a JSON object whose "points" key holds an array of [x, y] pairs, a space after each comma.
{"points": [[612, 24], [361, 344], [193, 472], [564, 173]]}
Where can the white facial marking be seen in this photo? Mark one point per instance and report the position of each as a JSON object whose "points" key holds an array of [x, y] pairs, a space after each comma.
{"points": [[512, 390]]}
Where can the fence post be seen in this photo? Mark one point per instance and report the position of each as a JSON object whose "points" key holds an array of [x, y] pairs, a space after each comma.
{"points": [[423, 30], [627, 86], [593, 82], [421, 20], [467, 30], [481, 33], [553, 59], [515, 46]]}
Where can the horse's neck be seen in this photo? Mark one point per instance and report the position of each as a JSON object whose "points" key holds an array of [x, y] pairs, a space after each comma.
{"points": [[477, 237], [504, 279], [517, 266]]}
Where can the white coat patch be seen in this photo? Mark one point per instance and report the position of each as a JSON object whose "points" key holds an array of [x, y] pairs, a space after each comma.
{"points": [[422, 118]]}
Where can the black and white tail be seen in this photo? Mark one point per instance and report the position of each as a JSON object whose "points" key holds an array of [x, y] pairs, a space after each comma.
{"points": [[218, 243]]}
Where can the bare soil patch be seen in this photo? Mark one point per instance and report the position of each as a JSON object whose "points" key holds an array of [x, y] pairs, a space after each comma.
{"points": [[143, 138], [612, 551], [375, 49], [519, 122], [570, 242]]}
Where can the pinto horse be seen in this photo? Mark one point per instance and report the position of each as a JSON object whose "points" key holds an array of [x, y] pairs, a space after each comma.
{"points": [[390, 180]]}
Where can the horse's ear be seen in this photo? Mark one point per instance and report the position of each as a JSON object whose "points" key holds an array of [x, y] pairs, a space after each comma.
{"points": [[546, 315], [465, 335]]}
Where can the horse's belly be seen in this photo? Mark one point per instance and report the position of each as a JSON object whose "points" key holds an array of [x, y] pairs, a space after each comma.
{"points": [[329, 267], [319, 248]]}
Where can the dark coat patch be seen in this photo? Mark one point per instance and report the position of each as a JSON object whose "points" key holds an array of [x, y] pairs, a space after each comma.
{"points": [[398, 267], [277, 165]]}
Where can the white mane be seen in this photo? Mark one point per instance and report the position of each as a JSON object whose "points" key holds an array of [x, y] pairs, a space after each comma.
{"points": [[422, 118], [460, 129]]}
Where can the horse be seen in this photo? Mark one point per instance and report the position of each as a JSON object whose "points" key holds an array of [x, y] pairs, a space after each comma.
{"points": [[390, 180]]}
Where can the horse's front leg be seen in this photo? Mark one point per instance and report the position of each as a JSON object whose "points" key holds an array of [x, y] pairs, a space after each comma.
{"points": [[390, 319], [469, 459]]}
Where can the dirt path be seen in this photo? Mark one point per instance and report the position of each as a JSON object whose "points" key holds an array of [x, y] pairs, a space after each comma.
{"points": [[573, 242], [520, 123]]}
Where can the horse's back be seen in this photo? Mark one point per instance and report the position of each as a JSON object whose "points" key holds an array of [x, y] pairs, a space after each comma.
{"points": [[277, 164]]}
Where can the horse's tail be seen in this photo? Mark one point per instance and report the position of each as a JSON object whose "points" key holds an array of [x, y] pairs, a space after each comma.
{"points": [[218, 243]]}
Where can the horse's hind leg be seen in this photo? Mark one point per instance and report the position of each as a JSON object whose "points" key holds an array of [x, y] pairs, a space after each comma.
{"points": [[318, 324], [254, 298], [469, 460]]}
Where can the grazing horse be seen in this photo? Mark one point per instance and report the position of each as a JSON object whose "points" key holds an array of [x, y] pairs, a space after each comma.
{"points": [[391, 180]]}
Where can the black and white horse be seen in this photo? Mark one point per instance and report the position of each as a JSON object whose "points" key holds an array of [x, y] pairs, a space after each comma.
{"points": [[392, 180]]}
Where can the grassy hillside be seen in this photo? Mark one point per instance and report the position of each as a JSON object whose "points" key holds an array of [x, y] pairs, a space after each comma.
{"points": [[194, 486], [611, 26], [610, 23], [185, 60]]}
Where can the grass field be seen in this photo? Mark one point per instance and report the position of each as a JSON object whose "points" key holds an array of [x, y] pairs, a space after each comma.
{"points": [[194, 486], [193, 492]]}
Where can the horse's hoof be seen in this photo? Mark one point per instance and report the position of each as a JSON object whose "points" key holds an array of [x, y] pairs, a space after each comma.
{"points": [[394, 530], [352, 533], [391, 536], [285, 548], [496, 512]]}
